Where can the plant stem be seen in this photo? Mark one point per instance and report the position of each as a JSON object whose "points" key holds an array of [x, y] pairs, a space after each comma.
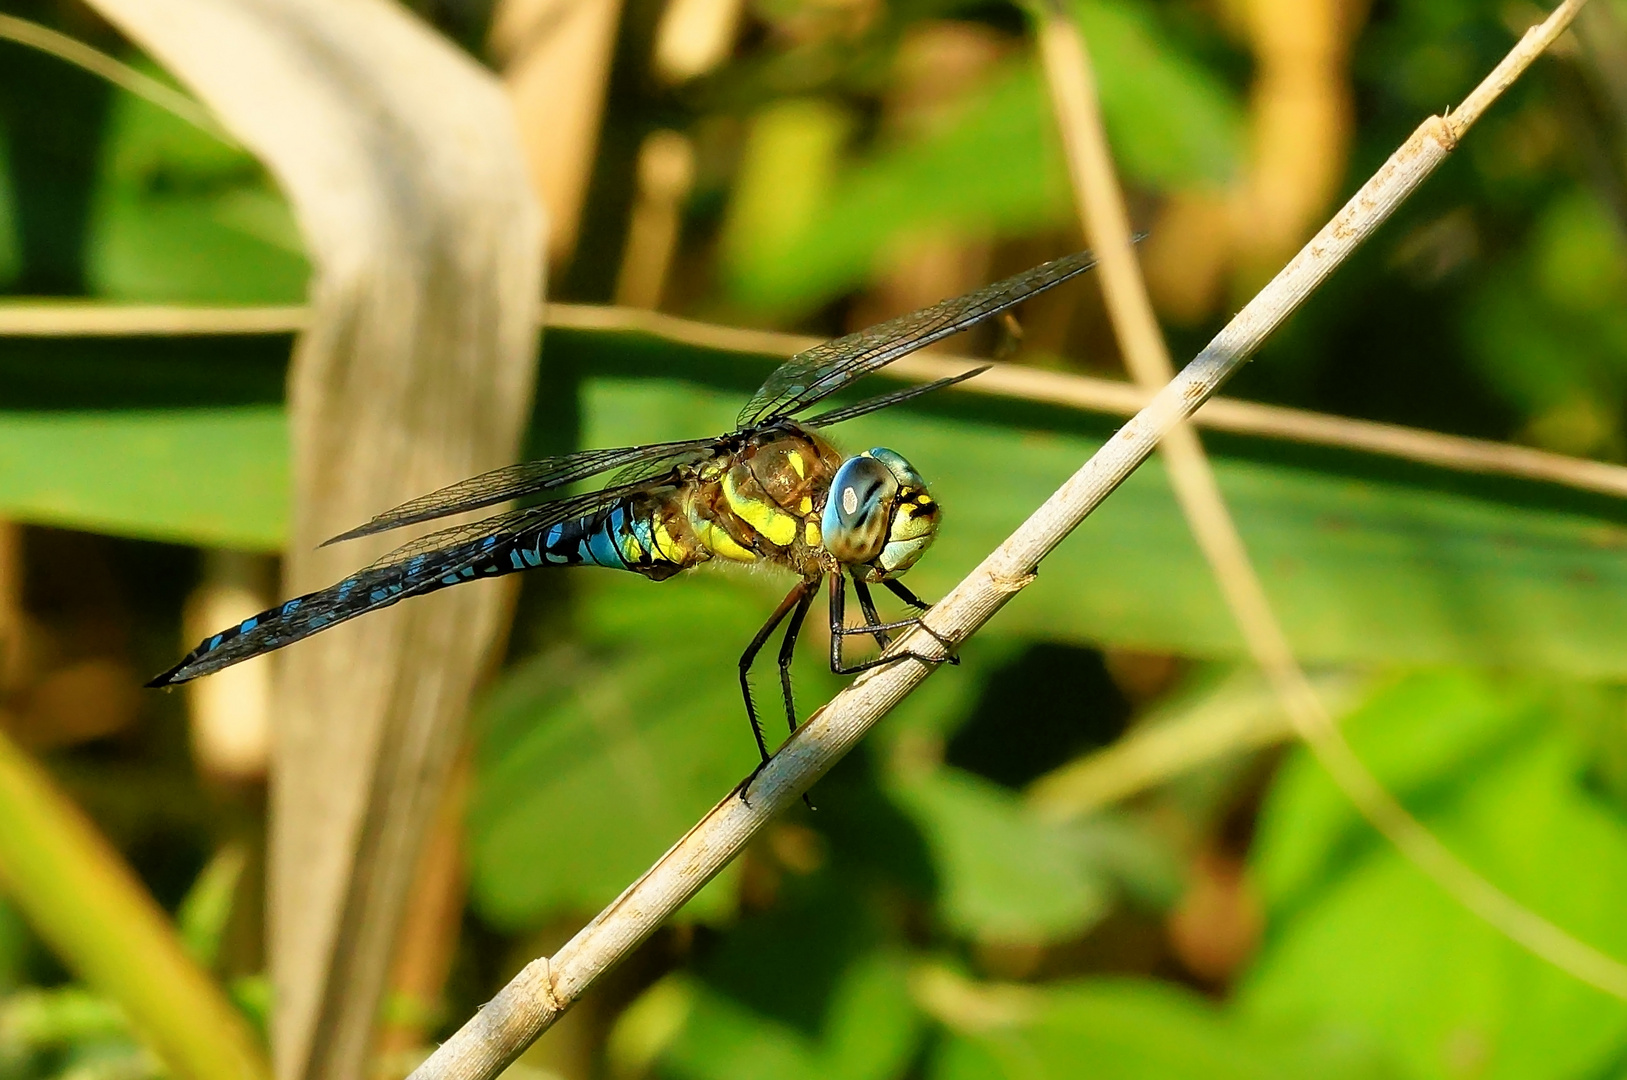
{"points": [[1106, 227], [89, 908], [536, 997]]}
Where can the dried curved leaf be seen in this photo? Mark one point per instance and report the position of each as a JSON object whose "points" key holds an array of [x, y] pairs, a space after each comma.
{"points": [[400, 158]]}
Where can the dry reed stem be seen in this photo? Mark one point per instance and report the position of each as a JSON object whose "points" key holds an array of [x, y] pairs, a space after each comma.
{"points": [[530, 1003], [1015, 381], [58, 318], [555, 57], [120, 74], [1107, 229], [1241, 714]]}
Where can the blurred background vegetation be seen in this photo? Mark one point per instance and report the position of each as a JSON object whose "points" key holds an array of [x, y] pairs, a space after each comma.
{"points": [[1086, 852]]}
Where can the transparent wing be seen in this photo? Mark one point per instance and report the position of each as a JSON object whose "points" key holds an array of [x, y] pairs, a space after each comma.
{"points": [[443, 558], [528, 478], [886, 401], [818, 372]]}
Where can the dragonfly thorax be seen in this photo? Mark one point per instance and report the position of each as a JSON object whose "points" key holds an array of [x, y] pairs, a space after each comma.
{"points": [[879, 518]]}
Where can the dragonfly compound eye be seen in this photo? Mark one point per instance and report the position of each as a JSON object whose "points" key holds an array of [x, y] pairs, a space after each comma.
{"points": [[859, 510], [914, 520]]}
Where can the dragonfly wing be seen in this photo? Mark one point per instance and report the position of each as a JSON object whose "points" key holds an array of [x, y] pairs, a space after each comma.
{"points": [[428, 563], [816, 373], [887, 401], [526, 478]]}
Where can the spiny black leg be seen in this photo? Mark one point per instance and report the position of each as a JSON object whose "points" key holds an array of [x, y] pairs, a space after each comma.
{"points": [[902, 624], [872, 620], [788, 649], [870, 629], [839, 630], [873, 626], [838, 619], [792, 599], [900, 590]]}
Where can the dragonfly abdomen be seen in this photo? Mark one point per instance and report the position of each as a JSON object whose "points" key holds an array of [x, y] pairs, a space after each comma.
{"points": [[646, 534], [632, 534], [376, 587]]}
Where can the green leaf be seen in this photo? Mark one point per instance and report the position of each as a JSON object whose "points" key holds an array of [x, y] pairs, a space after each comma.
{"points": [[995, 167], [1006, 875], [215, 477], [869, 1032], [1371, 941], [207, 907], [10, 250], [785, 174], [1118, 1030], [598, 756], [180, 217], [1171, 122], [88, 906], [36, 1019], [1420, 734], [1546, 333]]}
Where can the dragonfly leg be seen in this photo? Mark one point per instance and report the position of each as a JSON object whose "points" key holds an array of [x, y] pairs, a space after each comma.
{"points": [[787, 651], [788, 648], [878, 629], [839, 630], [902, 591], [873, 625], [799, 596], [867, 604]]}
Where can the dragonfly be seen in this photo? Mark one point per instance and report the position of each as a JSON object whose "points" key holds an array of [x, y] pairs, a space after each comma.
{"points": [[774, 491]]}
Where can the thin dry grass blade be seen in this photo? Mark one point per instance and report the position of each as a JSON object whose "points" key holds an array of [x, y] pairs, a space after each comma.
{"points": [[1105, 222]]}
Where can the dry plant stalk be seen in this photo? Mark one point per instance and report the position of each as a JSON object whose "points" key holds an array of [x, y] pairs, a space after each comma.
{"points": [[1240, 715], [555, 56], [1015, 381], [1106, 226], [1088, 394], [536, 997], [400, 158], [1302, 121], [666, 172]]}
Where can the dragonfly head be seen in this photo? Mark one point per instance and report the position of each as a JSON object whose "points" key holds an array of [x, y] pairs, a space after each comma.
{"points": [[879, 518]]}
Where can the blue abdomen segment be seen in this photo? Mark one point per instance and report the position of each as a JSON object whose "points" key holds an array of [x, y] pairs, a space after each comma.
{"points": [[621, 537], [616, 537]]}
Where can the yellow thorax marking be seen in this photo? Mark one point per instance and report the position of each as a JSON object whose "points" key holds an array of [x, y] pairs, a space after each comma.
{"points": [[665, 545], [806, 506], [780, 528], [798, 466], [810, 533], [721, 543]]}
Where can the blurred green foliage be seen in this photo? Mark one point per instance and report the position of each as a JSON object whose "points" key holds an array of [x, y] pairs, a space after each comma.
{"points": [[176, 216], [928, 919], [993, 167]]}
